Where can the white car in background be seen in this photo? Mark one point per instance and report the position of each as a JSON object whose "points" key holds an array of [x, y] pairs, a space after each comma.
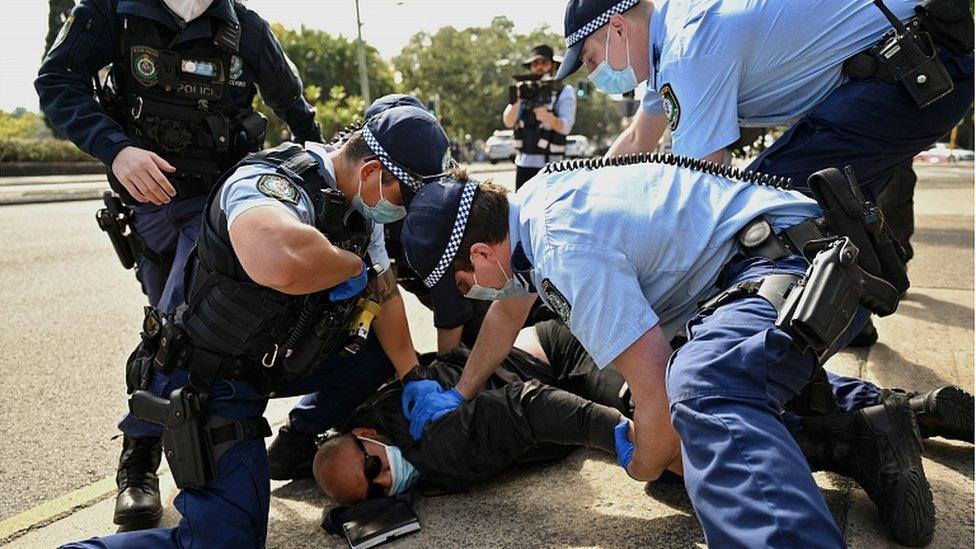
{"points": [[500, 146], [940, 153], [578, 146]]}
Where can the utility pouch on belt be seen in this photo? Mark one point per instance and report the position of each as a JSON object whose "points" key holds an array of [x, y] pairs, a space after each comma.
{"points": [[910, 57], [949, 22], [116, 220]]}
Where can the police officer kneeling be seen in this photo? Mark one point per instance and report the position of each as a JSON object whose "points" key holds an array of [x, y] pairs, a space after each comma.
{"points": [[177, 114], [274, 292], [630, 249]]}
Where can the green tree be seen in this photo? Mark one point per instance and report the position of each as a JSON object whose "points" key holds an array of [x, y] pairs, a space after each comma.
{"points": [[469, 71], [328, 68]]}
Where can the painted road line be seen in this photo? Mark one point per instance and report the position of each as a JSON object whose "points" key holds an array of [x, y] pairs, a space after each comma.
{"points": [[56, 508]]}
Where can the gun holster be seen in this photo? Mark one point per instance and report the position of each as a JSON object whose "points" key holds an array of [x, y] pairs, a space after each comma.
{"points": [[819, 309], [116, 220], [193, 442], [183, 443], [879, 255]]}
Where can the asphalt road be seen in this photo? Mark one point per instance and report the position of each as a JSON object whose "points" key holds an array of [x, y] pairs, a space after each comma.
{"points": [[70, 315]]}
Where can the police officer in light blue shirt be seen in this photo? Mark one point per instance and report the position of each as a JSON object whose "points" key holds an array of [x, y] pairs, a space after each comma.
{"points": [[714, 66], [557, 115], [626, 251]]}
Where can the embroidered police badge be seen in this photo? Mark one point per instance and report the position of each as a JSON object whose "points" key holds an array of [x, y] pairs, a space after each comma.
{"points": [[62, 34], [672, 110], [278, 187], [556, 300], [144, 65], [236, 67]]}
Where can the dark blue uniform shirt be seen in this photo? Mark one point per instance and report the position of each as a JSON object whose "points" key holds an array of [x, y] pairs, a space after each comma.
{"points": [[91, 40]]}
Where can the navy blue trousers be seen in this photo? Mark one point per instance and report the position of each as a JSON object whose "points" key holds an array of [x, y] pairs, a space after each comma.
{"points": [[169, 231], [748, 481], [232, 510]]}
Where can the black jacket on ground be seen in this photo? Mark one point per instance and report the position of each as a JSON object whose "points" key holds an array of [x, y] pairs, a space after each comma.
{"points": [[527, 412]]}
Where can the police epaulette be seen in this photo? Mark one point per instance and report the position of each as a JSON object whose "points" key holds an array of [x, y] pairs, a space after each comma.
{"points": [[712, 168]]}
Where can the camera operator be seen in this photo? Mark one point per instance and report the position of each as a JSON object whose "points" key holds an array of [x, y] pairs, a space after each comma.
{"points": [[541, 113]]}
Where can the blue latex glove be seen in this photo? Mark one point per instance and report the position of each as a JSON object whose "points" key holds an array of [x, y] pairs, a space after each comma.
{"points": [[622, 443], [351, 287], [431, 407], [414, 391]]}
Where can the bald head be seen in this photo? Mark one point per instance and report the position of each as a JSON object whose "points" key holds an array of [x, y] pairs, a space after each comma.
{"points": [[338, 467]]}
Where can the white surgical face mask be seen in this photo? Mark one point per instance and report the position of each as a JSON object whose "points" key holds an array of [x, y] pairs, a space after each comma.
{"points": [[511, 288], [188, 10], [611, 80], [403, 475]]}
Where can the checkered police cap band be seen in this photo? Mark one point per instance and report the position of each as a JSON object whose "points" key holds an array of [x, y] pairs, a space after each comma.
{"points": [[388, 162], [457, 233], [601, 20]]}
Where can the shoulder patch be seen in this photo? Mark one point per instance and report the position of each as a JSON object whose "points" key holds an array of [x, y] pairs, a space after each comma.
{"points": [[278, 187], [556, 300], [62, 34], [672, 109]]}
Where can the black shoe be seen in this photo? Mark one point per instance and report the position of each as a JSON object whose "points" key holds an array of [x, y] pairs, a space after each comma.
{"points": [[879, 447], [137, 504], [946, 412], [290, 455], [867, 337]]}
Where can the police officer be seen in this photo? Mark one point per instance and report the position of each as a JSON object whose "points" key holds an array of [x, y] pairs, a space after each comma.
{"points": [[715, 66], [624, 251], [179, 114], [540, 129], [280, 264]]}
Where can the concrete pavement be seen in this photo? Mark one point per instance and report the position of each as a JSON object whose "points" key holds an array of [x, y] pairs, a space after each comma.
{"points": [[582, 501]]}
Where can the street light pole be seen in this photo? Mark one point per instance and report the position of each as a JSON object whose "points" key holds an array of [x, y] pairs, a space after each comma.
{"points": [[361, 47]]}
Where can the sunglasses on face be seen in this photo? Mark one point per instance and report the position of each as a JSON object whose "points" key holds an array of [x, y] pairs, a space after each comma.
{"points": [[372, 465]]}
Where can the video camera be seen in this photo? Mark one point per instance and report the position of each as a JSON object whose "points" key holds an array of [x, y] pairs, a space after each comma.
{"points": [[533, 90]]}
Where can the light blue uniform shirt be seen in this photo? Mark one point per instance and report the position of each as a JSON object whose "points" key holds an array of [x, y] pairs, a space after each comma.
{"points": [[565, 109], [732, 63], [632, 247], [240, 194]]}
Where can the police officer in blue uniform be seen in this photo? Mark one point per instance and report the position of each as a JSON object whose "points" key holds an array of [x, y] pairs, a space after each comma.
{"points": [[178, 113], [625, 250], [854, 93], [291, 239]]}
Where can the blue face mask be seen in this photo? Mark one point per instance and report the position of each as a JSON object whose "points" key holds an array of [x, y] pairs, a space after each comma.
{"points": [[611, 80], [511, 288], [403, 475], [383, 212]]}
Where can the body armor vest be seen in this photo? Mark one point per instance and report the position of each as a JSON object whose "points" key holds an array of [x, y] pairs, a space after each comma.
{"points": [[531, 138], [176, 101], [226, 312]]}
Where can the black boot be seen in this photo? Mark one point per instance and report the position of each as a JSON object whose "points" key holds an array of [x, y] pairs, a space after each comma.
{"points": [[879, 447], [137, 504], [290, 455], [945, 412], [867, 337]]}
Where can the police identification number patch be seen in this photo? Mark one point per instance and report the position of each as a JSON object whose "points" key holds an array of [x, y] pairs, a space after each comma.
{"points": [[672, 109], [278, 187], [556, 300]]}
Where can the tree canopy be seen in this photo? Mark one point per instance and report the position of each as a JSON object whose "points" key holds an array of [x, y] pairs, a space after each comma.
{"points": [[468, 71]]}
